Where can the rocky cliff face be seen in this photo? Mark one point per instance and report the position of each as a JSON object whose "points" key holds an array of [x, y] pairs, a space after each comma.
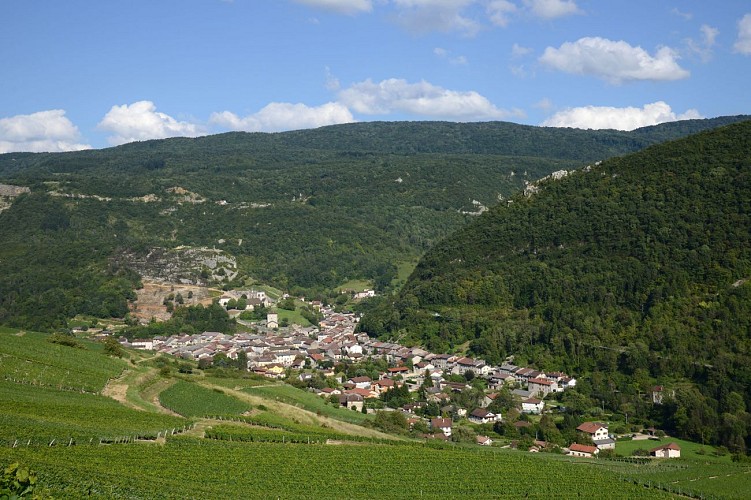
{"points": [[8, 192], [185, 265]]}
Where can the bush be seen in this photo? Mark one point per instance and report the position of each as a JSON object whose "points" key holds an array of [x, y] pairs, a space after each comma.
{"points": [[63, 339]]}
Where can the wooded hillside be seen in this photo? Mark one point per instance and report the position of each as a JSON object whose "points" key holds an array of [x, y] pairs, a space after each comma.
{"points": [[302, 210], [635, 272]]}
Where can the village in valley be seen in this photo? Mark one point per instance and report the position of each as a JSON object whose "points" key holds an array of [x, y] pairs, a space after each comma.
{"points": [[353, 371]]}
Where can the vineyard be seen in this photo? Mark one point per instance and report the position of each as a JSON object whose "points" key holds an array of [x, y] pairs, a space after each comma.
{"points": [[192, 468], [40, 415], [28, 358], [54, 419], [192, 400]]}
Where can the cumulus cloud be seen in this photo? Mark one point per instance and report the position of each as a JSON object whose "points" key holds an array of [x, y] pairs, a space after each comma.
{"points": [[615, 62], [500, 11], [349, 7], [421, 99], [550, 9], [44, 131], [743, 42], [630, 118], [279, 116], [424, 16], [141, 121]]}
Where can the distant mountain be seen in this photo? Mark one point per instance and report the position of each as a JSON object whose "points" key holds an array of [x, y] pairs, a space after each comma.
{"points": [[634, 272], [307, 209]]}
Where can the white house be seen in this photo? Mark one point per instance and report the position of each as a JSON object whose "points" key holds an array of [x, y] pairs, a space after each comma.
{"points": [[596, 430], [483, 416], [442, 424], [272, 320], [670, 450], [532, 405], [361, 382], [484, 441], [147, 344], [582, 450]]}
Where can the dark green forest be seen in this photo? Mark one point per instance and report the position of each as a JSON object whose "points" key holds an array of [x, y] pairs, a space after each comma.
{"points": [[303, 210], [635, 272]]}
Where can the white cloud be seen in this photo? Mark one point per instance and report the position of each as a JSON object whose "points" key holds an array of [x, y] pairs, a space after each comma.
{"points": [[349, 7], [603, 117], [518, 51], [141, 121], [687, 16], [703, 48], [615, 62], [44, 131], [424, 16], [743, 42], [445, 54], [550, 9], [421, 99], [709, 34], [332, 82], [280, 116], [499, 12]]}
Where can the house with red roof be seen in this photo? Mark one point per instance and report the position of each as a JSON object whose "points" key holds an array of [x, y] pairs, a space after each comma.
{"points": [[596, 430], [541, 387], [582, 450]]}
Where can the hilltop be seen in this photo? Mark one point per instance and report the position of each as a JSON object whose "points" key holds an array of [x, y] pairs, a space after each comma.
{"points": [[634, 272], [305, 210]]}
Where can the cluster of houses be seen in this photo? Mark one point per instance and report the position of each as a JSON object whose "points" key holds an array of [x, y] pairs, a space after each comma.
{"points": [[273, 352], [276, 352]]}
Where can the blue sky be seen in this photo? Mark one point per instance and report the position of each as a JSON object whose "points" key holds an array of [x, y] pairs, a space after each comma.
{"points": [[84, 73]]}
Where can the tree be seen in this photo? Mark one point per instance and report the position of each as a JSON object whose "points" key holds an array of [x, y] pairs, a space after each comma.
{"points": [[113, 348], [391, 421], [288, 304], [242, 361]]}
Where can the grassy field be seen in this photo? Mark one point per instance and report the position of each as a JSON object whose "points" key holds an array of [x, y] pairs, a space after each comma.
{"points": [[293, 317], [309, 401], [355, 286], [403, 270], [689, 450]]}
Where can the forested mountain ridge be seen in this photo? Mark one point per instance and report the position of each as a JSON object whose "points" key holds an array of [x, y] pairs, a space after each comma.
{"points": [[307, 209], [635, 272]]}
